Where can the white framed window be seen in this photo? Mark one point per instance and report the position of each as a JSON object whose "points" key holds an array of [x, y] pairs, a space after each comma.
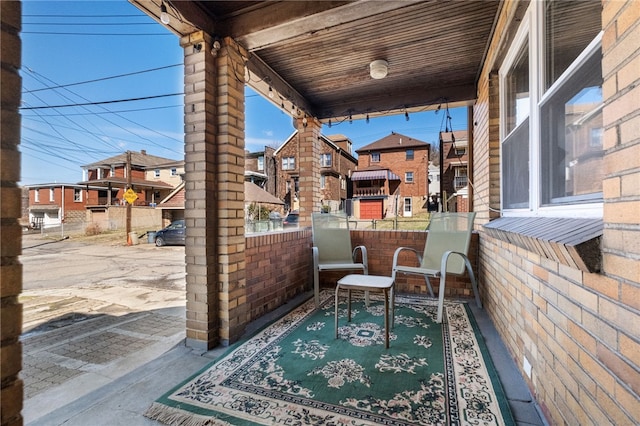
{"points": [[323, 181], [52, 194], [288, 163], [36, 195], [375, 157], [551, 113], [343, 182], [112, 171], [409, 154], [156, 173], [77, 195], [174, 171], [408, 177], [261, 162], [325, 160]]}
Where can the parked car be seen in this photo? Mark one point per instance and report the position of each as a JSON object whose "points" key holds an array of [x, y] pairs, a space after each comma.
{"points": [[174, 234], [291, 221]]}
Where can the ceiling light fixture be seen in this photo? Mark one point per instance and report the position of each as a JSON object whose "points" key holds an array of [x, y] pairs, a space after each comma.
{"points": [[378, 69], [164, 15], [270, 92]]}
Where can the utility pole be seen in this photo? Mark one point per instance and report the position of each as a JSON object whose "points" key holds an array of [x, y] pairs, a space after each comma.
{"points": [[128, 220]]}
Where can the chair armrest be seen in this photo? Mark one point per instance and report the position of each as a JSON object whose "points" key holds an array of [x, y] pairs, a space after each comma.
{"points": [[400, 249], [363, 253], [316, 257], [445, 260]]}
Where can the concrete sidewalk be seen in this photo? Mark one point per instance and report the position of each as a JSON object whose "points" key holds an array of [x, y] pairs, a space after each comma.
{"points": [[109, 369]]}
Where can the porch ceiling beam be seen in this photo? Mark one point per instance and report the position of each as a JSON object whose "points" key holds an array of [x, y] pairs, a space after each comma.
{"points": [[414, 100], [269, 78], [283, 21]]}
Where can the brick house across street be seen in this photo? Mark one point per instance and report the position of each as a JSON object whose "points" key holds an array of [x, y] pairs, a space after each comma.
{"points": [[52, 204], [392, 178]]}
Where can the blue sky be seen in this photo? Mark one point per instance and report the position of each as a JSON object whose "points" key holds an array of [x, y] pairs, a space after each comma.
{"points": [[84, 62]]}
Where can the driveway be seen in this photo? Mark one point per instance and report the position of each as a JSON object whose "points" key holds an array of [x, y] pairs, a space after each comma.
{"points": [[94, 312], [68, 280]]}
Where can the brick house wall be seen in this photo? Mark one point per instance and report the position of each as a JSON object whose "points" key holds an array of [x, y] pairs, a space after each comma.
{"points": [[336, 174], [452, 160], [573, 334], [285, 188], [396, 161], [332, 194], [70, 203]]}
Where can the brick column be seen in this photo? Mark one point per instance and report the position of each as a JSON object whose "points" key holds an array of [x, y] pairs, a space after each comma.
{"points": [[10, 194], [309, 167], [621, 119], [214, 195]]}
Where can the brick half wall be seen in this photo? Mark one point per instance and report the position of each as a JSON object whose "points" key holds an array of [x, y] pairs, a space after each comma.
{"points": [[278, 268], [380, 248]]}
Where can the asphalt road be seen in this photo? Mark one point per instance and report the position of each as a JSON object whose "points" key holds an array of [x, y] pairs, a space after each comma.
{"points": [[65, 281]]}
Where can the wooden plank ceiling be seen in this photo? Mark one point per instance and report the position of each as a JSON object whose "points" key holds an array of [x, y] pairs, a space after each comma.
{"points": [[316, 54]]}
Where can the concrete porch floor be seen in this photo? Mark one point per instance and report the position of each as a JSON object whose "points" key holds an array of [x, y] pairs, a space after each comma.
{"points": [[120, 394]]}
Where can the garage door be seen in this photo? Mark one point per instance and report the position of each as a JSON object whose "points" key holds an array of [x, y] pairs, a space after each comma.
{"points": [[370, 209]]}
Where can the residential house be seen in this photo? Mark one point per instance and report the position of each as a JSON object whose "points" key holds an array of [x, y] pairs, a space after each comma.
{"points": [[434, 187], [454, 157], [336, 163], [151, 177], [392, 177], [52, 204], [260, 168]]}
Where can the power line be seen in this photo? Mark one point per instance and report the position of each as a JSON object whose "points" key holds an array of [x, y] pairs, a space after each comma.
{"points": [[37, 75], [105, 112], [81, 16], [97, 34], [101, 79], [103, 102], [93, 24]]}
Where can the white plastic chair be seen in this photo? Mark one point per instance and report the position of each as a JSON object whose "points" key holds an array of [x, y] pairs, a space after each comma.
{"points": [[332, 248], [445, 253]]}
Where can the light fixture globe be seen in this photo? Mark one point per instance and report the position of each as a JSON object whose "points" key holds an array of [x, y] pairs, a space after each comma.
{"points": [[378, 69]]}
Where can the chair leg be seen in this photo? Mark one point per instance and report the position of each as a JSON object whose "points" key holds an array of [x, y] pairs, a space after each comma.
{"points": [[443, 279], [336, 307], [426, 279], [386, 317], [316, 286], [474, 284]]}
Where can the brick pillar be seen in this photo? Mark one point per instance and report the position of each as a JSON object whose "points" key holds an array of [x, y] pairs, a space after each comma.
{"points": [[11, 209], [621, 119], [214, 195], [309, 167]]}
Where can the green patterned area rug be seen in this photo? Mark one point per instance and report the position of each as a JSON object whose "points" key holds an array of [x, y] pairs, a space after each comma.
{"points": [[294, 372]]}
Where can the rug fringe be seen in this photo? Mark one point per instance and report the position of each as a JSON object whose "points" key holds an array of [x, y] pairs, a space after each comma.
{"points": [[177, 417]]}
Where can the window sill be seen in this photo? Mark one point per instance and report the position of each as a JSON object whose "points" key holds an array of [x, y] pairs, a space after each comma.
{"points": [[571, 242]]}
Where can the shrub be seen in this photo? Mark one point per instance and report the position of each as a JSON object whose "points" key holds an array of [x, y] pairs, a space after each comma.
{"points": [[93, 229]]}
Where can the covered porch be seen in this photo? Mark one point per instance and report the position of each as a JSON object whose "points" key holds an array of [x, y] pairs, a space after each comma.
{"points": [[562, 292], [324, 62]]}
